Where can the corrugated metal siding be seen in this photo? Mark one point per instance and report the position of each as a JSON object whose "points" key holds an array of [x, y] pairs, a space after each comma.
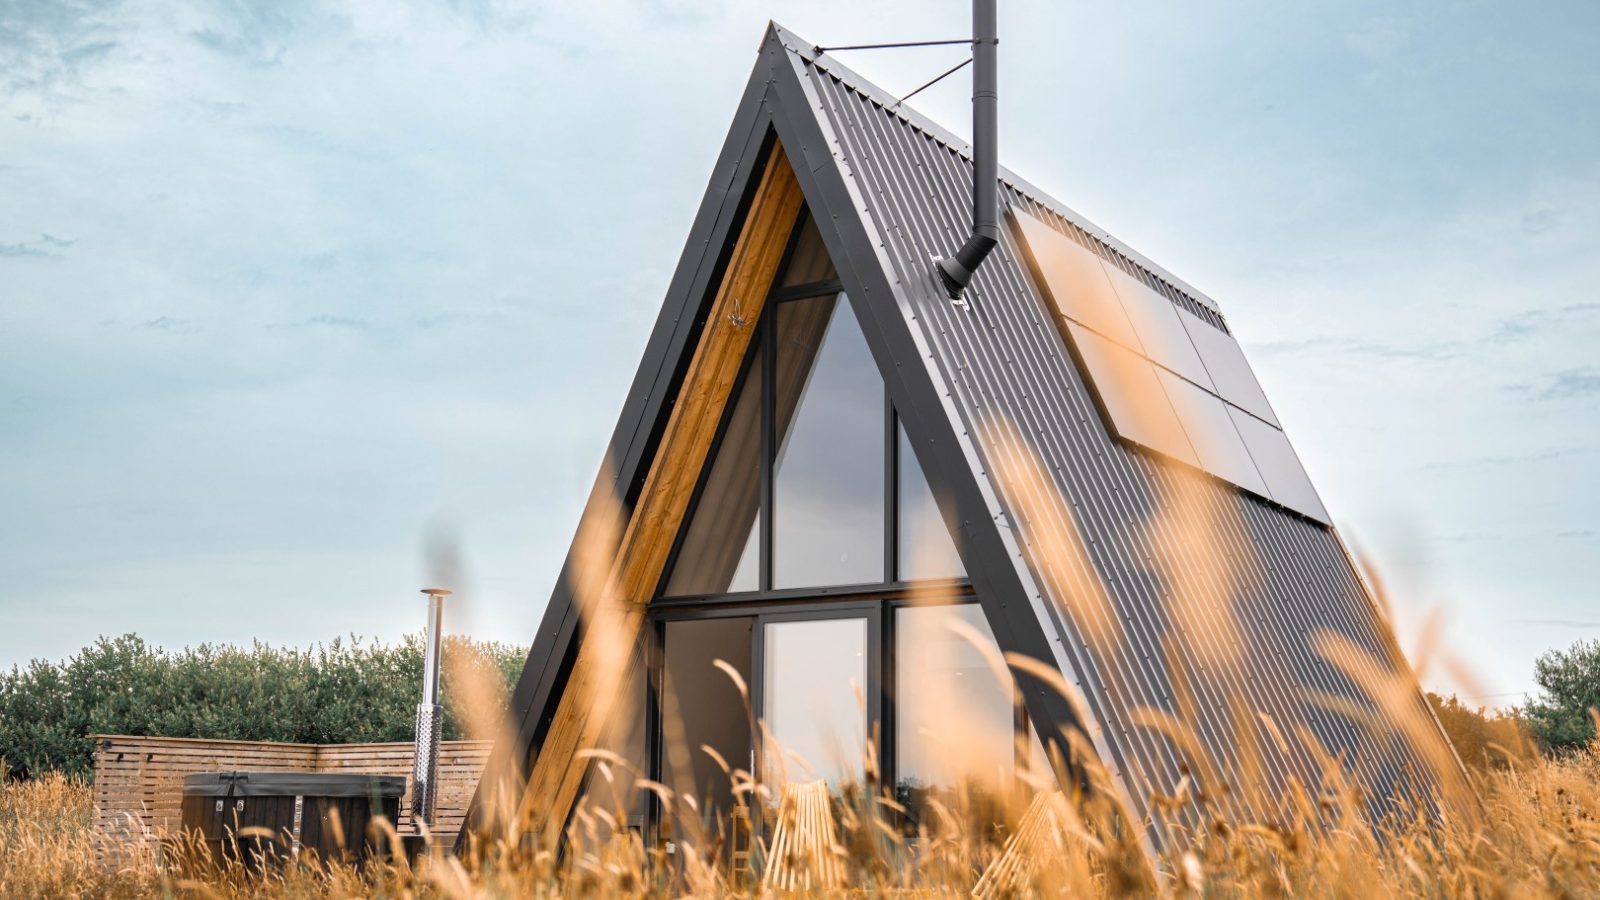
{"points": [[1006, 356]]}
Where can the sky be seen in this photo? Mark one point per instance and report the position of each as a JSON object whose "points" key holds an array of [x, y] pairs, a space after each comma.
{"points": [[292, 291]]}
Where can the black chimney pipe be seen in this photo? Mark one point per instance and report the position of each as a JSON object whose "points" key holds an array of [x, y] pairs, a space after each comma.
{"points": [[955, 272]]}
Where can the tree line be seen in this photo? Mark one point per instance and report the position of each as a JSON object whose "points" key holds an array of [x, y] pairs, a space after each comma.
{"points": [[351, 692], [344, 692]]}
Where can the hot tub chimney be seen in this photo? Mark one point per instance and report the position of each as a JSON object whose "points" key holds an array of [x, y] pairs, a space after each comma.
{"points": [[430, 717], [955, 272]]}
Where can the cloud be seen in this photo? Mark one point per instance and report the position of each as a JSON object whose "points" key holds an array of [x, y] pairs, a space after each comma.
{"points": [[257, 34], [165, 323], [43, 248], [1469, 537], [1563, 623], [1573, 383], [1442, 350], [21, 250], [44, 46], [679, 13], [325, 321], [1514, 459], [1534, 321]]}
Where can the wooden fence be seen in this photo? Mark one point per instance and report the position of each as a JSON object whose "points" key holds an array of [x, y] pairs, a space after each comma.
{"points": [[138, 781]]}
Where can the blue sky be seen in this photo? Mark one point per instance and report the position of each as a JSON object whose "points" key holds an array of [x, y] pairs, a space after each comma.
{"points": [[289, 290]]}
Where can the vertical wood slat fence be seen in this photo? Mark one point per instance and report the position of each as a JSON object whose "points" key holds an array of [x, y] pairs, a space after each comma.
{"points": [[138, 781]]}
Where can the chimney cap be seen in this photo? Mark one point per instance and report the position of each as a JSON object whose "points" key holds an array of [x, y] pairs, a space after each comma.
{"points": [[437, 592]]}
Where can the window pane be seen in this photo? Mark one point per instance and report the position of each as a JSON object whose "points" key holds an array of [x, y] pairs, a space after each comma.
{"points": [[810, 262], [828, 497], [700, 706], [953, 713], [813, 672], [926, 549], [613, 788], [721, 549]]}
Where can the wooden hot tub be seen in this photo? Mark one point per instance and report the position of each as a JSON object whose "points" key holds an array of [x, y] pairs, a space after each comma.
{"points": [[256, 817]]}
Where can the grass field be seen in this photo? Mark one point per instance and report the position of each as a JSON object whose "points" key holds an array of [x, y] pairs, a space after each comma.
{"points": [[1538, 835]]}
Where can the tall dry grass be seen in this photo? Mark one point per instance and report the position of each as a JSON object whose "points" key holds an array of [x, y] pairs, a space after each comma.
{"points": [[1540, 837]]}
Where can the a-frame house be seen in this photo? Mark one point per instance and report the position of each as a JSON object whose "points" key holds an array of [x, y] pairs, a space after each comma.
{"points": [[1073, 459]]}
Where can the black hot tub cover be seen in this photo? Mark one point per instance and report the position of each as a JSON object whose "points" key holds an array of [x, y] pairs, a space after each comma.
{"points": [[292, 784]]}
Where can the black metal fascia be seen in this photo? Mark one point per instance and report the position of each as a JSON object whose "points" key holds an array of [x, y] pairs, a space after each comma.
{"points": [[643, 417], [1022, 620]]}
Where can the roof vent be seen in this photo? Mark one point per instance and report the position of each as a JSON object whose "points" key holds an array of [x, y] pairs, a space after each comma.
{"points": [[955, 272]]}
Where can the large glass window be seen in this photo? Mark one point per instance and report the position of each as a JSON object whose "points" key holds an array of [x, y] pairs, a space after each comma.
{"points": [[828, 504], [721, 549], [955, 715], [808, 261], [808, 471], [813, 680], [925, 547]]}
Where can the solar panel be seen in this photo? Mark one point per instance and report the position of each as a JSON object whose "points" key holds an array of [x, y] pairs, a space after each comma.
{"points": [[1279, 465], [1132, 396], [1166, 379], [1155, 321], [1230, 371], [1213, 435], [1075, 280]]}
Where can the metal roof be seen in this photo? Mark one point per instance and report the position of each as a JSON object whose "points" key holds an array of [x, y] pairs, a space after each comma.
{"points": [[1005, 357], [889, 190]]}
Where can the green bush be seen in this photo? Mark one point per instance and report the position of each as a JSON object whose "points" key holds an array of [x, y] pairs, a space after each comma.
{"points": [[338, 693], [1569, 681]]}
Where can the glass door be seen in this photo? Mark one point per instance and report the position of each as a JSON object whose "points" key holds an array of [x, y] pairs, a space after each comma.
{"points": [[818, 684], [704, 724]]}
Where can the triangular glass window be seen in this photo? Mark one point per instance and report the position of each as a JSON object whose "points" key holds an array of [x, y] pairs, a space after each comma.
{"points": [[828, 431], [721, 552], [926, 549], [798, 490]]}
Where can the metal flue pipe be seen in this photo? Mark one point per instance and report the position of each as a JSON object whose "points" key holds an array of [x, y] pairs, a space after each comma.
{"points": [[430, 717], [955, 272]]}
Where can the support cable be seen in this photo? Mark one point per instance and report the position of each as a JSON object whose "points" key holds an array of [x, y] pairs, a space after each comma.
{"points": [[938, 78], [821, 49]]}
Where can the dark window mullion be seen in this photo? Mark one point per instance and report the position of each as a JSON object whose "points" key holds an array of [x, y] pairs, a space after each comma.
{"points": [[768, 442], [891, 496]]}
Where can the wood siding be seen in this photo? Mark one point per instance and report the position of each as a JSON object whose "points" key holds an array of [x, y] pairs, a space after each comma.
{"points": [[138, 781]]}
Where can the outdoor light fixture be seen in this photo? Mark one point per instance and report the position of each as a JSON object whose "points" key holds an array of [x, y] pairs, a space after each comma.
{"points": [[955, 272], [430, 717]]}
